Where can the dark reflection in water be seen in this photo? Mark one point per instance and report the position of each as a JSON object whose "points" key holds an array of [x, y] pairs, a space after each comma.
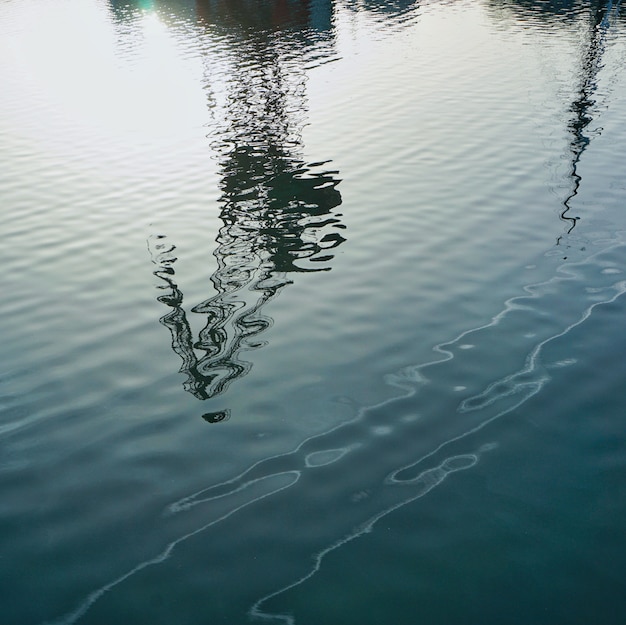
{"points": [[601, 14], [301, 17], [276, 210], [552, 12]]}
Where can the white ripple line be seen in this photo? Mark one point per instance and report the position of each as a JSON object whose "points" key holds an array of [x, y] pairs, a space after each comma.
{"points": [[430, 479], [533, 358], [188, 502], [532, 364], [86, 604], [411, 379]]}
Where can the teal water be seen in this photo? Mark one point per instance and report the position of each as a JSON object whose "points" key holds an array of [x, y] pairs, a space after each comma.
{"points": [[313, 312]]}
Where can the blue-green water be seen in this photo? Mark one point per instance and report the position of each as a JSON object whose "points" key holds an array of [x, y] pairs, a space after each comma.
{"points": [[313, 312]]}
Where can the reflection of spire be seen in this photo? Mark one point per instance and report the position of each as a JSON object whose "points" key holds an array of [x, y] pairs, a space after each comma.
{"points": [[276, 211], [582, 106]]}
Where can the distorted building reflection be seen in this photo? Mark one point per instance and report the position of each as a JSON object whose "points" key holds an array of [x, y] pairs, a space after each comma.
{"points": [[260, 16], [277, 211]]}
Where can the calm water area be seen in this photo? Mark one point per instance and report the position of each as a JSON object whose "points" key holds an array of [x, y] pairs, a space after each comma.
{"points": [[313, 312]]}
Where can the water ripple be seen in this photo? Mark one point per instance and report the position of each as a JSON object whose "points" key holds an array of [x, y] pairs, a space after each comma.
{"points": [[378, 488]]}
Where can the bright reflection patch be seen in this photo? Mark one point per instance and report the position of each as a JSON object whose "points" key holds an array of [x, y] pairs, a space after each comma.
{"points": [[93, 82]]}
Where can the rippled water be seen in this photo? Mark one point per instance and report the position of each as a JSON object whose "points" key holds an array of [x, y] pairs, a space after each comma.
{"points": [[313, 312]]}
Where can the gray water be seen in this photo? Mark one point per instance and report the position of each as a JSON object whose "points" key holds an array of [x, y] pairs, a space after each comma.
{"points": [[313, 312]]}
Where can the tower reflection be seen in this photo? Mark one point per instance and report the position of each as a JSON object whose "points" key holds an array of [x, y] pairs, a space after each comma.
{"points": [[600, 16], [277, 211]]}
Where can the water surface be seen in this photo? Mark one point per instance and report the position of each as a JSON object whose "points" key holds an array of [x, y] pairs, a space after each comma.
{"points": [[313, 312]]}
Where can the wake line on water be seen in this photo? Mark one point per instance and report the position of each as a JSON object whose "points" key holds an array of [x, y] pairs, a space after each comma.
{"points": [[278, 473], [433, 477], [88, 602], [411, 379], [427, 480]]}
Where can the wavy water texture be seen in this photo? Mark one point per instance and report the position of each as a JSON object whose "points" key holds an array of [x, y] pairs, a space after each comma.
{"points": [[403, 469], [444, 199]]}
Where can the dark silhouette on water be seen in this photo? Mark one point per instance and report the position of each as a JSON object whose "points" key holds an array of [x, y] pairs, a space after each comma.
{"points": [[567, 13], [582, 107], [258, 245], [276, 210]]}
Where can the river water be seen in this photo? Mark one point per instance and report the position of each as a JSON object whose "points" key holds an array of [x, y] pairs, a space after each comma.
{"points": [[313, 312]]}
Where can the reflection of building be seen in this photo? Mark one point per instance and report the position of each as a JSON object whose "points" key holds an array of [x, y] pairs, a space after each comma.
{"points": [[302, 16], [277, 211], [288, 226]]}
